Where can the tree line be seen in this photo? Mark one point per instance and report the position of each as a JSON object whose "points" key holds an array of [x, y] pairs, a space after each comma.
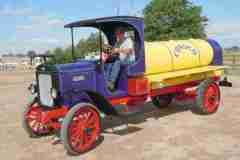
{"points": [[84, 47]]}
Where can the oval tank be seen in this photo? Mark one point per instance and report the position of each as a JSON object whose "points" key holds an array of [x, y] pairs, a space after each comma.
{"points": [[170, 56]]}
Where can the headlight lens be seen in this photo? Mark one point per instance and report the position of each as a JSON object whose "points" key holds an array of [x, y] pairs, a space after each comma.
{"points": [[54, 93], [32, 88]]}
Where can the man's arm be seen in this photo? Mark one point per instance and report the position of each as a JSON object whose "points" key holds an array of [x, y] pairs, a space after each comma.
{"points": [[127, 47], [123, 50]]}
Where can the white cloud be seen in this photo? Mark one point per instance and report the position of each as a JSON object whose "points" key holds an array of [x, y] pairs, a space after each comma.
{"points": [[45, 40], [223, 28], [37, 30], [227, 32], [8, 11], [40, 45], [25, 27], [42, 22], [56, 22]]}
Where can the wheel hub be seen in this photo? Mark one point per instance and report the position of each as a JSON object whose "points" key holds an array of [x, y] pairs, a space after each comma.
{"points": [[88, 131]]}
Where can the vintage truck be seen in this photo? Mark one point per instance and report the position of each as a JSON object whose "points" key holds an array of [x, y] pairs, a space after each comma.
{"points": [[73, 98]]}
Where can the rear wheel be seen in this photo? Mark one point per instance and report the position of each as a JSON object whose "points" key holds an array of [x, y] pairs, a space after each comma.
{"points": [[31, 120], [162, 101], [208, 97], [81, 129]]}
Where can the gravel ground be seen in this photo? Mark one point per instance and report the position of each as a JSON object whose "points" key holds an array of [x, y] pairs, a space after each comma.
{"points": [[174, 133]]}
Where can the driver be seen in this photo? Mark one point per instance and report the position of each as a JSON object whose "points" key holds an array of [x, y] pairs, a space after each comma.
{"points": [[124, 48]]}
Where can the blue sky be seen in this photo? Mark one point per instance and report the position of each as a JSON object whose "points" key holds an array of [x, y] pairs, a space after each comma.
{"points": [[29, 24]]}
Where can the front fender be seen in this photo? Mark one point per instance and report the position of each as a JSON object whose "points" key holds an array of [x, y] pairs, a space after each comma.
{"points": [[96, 99], [102, 103]]}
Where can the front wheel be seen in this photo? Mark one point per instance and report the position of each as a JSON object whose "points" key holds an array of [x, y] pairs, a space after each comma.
{"points": [[31, 120], [81, 128], [207, 97]]}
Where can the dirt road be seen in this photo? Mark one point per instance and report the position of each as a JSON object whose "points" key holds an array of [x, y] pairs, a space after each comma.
{"points": [[174, 133]]}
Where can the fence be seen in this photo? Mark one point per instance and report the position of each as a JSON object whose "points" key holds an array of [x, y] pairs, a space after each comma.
{"points": [[7, 67], [233, 61]]}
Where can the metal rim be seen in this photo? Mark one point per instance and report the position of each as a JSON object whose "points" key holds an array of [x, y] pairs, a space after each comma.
{"points": [[211, 97], [33, 119], [84, 129]]}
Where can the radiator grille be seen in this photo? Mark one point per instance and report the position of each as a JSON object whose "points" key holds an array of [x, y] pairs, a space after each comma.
{"points": [[45, 86]]}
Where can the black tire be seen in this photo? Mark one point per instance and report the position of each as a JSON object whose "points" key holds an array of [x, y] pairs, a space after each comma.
{"points": [[162, 101], [65, 129], [25, 124], [201, 104]]}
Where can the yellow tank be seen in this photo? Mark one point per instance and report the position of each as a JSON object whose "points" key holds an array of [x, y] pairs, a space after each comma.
{"points": [[170, 56]]}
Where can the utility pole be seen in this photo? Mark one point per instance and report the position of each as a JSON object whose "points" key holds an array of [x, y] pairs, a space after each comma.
{"points": [[132, 8], [118, 8]]}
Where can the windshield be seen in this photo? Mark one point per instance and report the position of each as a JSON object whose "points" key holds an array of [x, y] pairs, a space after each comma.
{"points": [[87, 43]]}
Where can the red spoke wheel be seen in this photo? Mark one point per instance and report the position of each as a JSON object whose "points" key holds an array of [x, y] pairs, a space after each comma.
{"points": [[81, 128], [31, 120], [208, 97]]}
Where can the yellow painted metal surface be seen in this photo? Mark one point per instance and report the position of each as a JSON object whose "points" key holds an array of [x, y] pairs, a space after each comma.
{"points": [[169, 56], [158, 58], [162, 80], [205, 50]]}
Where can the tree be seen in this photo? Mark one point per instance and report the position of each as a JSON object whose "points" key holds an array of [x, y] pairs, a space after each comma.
{"points": [[173, 19], [10, 54], [233, 49], [89, 45], [31, 53], [48, 52], [61, 56], [84, 47]]}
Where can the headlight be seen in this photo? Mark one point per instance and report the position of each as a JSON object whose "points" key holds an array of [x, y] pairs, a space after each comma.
{"points": [[32, 88], [54, 93]]}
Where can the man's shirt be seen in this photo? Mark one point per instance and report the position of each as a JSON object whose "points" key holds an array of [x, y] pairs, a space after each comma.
{"points": [[129, 57]]}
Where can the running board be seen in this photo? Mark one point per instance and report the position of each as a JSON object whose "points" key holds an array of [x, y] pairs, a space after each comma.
{"points": [[124, 110]]}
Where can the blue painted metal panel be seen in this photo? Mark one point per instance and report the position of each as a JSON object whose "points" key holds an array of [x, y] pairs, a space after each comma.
{"points": [[74, 79], [218, 52]]}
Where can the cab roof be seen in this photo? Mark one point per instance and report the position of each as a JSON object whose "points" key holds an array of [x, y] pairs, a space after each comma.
{"points": [[97, 22]]}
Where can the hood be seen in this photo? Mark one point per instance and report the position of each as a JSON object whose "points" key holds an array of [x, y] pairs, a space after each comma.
{"points": [[82, 65]]}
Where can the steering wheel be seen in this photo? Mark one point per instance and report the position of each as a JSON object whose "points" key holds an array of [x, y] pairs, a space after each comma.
{"points": [[108, 49], [112, 57]]}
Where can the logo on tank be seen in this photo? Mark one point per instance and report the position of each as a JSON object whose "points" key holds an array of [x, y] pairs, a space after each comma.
{"points": [[178, 50]]}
